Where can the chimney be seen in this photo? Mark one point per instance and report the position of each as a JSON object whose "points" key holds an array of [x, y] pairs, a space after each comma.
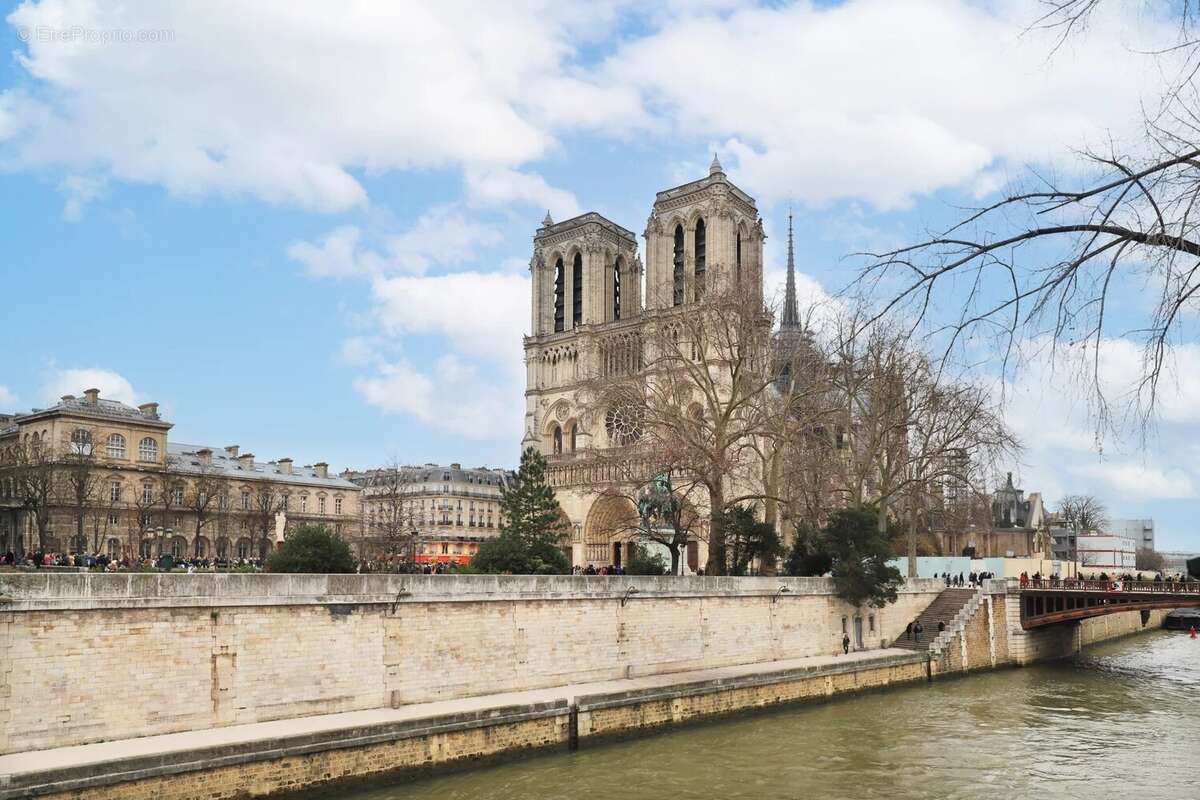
{"points": [[322, 469], [231, 451], [246, 461], [66, 398], [285, 466], [92, 396], [205, 456], [148, 410]]}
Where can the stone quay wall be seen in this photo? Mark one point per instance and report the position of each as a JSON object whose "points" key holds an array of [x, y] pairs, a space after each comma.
{"points": [[93, 657], [990, 634]]}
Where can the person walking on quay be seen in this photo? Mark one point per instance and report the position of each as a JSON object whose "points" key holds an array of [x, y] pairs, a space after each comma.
{"points": [[846, 644], [941, 626], [918, 629], [908, 631]]}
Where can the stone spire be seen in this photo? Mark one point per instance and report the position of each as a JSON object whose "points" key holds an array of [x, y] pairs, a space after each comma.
{"points": [[547, 222], [791, 311], [715, 167]]}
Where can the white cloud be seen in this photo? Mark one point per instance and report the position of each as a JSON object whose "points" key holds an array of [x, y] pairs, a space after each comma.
{"points": [[440, 236], [883, 100], [452, 397], [503, 186], [112, 385], [80, 190], [7, 398], [868, 98], [1139, 481], [482, 314], [302, 96]]}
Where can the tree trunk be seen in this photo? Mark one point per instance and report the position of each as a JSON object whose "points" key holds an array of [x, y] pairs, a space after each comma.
{"points": [[674, 558], [912, 544], [716, 529], [768, 565]]}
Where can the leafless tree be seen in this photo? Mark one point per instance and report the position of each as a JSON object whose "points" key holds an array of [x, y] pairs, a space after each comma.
{"points": [[265, 504], [145, 500], [36, 473], [81, 476], [698, 401], [1149, 560], [201, 497], [630, 473], [1045, 263], [390, 512], [1085, 512]]}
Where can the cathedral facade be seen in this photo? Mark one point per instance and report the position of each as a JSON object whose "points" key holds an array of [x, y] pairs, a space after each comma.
{"points": [[593, 298]]}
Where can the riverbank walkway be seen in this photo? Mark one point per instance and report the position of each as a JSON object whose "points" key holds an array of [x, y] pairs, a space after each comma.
{"points": [[42, 772]]}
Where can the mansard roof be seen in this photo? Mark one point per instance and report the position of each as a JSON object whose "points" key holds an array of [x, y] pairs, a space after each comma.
{"points": [[185, 458], [101, 408], [581, 220]]}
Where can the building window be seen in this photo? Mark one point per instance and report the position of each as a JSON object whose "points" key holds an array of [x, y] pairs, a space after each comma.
{"points": [[844, 628], [303, 504], [147, 493], [147, 450], [114, 492], [81, 442], [445, 548], [677, 266], [737, 259], [320, 505], [284, 502], [871, 623], [701, 247], [574, 437], [558, 297], [337, 505], [113, 519], [177, 495], [577, 291], [222, 501], [616, 287], [114, 447], [245, 501]]}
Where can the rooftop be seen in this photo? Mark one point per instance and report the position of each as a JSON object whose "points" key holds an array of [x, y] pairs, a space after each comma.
{"points": [[186, 458], [92, 405]]}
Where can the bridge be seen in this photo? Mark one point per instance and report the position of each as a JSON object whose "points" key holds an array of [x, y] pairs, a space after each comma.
{"points": [[1046, 601]]}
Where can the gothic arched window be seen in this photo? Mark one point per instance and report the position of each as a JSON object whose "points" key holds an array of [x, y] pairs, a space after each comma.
{"points": [[677, 263], [738, 258], [574, 437], [557, 436], [558, 296], [616, 278], [577, 291], [700, 260]]}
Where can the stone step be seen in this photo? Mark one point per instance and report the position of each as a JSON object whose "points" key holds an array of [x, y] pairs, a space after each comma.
{"points": [[944, 609]]}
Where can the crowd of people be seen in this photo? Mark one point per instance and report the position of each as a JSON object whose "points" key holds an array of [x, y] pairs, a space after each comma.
{"points": [[1117, 580], [972, 579], [102, 561]]}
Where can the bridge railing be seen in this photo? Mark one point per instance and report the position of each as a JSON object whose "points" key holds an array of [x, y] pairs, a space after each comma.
{"points": [[1076, 584]]}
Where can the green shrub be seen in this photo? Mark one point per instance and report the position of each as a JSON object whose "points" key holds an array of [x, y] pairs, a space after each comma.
{"points": [[312, 548]]}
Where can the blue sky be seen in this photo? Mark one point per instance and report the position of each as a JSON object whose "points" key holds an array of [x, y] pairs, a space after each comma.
{"points": [[306, 230]]}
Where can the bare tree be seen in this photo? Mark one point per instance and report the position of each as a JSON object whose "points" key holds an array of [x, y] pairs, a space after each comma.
{"points": [[1085, 512], [200, 497], [390, 512], [629, 477], [36, 473], [265, 504], [145, 500], [698, 401], [81, 476], [1046, 262]]}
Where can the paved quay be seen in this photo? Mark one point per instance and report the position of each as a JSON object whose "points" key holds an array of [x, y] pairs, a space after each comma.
{"points": [[43, 772]]}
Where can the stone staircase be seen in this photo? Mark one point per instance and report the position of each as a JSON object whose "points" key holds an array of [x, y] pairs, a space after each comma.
{"points": [[947, 607]]}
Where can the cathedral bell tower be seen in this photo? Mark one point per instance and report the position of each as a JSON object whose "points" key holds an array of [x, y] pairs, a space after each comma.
{"points": [[586, 284], [702, 236]]}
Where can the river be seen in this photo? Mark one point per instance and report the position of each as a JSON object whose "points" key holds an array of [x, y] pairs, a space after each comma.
{"points": [[1122, 718]]}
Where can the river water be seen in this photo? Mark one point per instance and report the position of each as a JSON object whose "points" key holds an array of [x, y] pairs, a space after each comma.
{"points": [[1122, 718]]}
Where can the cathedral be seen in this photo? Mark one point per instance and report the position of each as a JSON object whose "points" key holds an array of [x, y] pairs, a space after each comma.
{"points": [[589, 319]]}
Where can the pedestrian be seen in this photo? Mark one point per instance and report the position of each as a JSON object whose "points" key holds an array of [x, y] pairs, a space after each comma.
{"points": [[918, 629], [846, 644], [908, 631], [941, 626]]}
